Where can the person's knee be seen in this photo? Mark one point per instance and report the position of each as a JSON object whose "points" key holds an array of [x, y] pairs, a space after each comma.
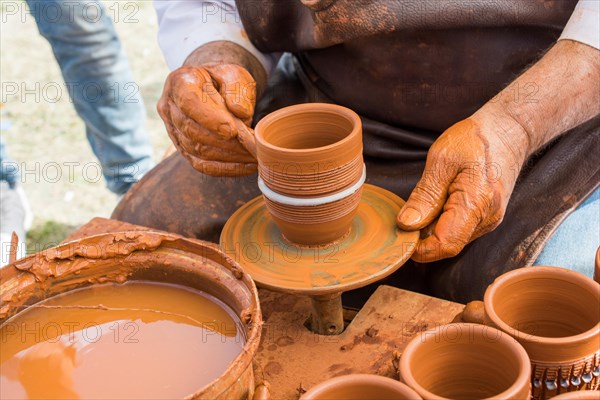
{"points": [[575, 242]]}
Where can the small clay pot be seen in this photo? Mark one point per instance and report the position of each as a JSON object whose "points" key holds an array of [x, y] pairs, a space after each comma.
{"points": [[310, 152], [360, 387], [555, 314], [466, 361], [579, 395], [597, 267]]}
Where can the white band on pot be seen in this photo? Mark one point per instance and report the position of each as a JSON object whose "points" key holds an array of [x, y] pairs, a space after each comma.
{"points": [[313, 201]]}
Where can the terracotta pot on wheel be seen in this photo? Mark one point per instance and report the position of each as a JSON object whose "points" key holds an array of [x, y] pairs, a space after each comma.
{"points": [[311, 170]]}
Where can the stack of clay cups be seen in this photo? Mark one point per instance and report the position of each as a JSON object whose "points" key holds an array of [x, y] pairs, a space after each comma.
{"points": [[311, 170]]}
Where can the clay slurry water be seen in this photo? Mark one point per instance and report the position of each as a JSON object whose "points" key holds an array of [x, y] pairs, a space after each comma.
{"points": [[133, 340]]}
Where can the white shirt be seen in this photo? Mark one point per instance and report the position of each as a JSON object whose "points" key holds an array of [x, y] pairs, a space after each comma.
{"points": [[584, 24], [184, 25]]}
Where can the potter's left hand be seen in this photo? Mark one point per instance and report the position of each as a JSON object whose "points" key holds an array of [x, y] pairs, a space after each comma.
{"points": [[472, 168], [469, 175]]}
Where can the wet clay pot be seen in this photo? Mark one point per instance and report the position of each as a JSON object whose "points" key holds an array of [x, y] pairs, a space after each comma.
{"points": [[597, 267], [555, 314], [466, 361], [360, 387], [579, 395], [144, 256], [311, 170]]}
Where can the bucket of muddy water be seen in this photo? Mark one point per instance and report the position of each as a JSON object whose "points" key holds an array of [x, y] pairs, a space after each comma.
{"points": [[128, 315]]}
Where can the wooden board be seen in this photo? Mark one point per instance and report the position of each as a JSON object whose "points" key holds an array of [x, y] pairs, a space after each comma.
{"points": [[292, 359]]}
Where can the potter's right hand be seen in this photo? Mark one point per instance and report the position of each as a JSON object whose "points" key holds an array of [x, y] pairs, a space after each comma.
{"points": [[207, 111]]}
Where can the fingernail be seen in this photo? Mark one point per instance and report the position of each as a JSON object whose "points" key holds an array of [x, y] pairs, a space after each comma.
{"points": [[410, 216]]}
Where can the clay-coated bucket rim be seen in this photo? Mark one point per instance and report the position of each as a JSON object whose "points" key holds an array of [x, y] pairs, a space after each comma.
{"points": [[324, 386], [293, 110], [558, 272], [408, 355], [22, 275]]}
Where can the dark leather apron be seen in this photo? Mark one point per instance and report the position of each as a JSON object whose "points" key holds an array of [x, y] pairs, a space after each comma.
{"points": [[410, 69]]}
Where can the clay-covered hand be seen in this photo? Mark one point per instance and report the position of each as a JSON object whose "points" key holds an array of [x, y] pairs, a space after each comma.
{"points": [[207, 111], [469, 175], [472, 168]]}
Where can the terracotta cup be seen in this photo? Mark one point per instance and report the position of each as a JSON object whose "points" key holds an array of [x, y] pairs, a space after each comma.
{"points": [[579, 395], [311, 170], [555, 314], [360, 387], [466, 361]]}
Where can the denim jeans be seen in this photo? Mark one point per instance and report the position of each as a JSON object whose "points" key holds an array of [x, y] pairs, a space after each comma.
{"points": [[575, 242], [9, 172], [100, 83]]}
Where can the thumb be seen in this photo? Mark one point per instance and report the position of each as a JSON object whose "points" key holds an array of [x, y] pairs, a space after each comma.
{"points": [[237, 87], [427, 199]]}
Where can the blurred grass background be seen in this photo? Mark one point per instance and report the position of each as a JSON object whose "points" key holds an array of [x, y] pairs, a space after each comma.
{"points": [[44, 131]]}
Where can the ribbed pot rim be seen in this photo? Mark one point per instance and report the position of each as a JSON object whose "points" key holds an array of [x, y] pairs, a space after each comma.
{"points": [[523, 378], [357, 379], [335, 109], [539, 271]]}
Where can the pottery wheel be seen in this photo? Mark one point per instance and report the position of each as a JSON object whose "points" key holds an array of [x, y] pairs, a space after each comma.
{"points": [[373, 249]]}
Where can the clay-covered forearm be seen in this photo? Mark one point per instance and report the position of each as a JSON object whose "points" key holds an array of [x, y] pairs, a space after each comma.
{"points": [[226, 52], [559, 92]]}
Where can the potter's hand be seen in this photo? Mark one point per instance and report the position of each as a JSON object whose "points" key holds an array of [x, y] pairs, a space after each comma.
{"points": [[207, 111], [472, 168], [469, 175]]}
